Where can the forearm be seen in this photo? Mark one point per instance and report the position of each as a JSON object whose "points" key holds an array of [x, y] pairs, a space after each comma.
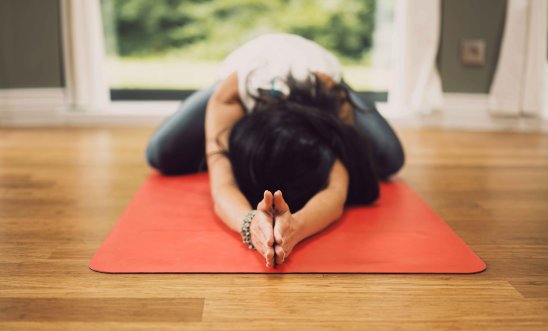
{"points": [[320, 211], [223, 110], [327, 205], [231, 206]]}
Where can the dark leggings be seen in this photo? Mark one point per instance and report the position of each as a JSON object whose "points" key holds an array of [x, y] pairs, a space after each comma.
{"points": [[178, 146]]}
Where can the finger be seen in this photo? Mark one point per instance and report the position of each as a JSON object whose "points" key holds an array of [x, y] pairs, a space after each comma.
{"points": [[280, 254], [269, 256], [278, 233], [279, 229], [268, 197], [265, 205], [269, 238], [268, 233], [263, 246], [279, 203], [266, 251]]}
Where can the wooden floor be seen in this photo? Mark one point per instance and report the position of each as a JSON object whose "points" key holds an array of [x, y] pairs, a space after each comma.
{"points": [[61, 191]]}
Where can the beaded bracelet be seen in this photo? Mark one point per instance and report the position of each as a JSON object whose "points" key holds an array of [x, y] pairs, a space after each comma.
{"points": [[246, 236]]}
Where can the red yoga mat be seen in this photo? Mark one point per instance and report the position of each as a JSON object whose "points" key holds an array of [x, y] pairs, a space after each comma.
{"points": [[170, 227]]}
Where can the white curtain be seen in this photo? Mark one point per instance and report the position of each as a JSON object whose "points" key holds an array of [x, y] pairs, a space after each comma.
{"points": [[416, 84], [520, 84], [84, 55], [545, 92]]}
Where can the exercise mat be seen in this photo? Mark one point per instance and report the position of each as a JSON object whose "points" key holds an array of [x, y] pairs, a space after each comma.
{"points": [[170, 227]]}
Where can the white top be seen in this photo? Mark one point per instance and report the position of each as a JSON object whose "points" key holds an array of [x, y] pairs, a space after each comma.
{"points": [[267, 61]]}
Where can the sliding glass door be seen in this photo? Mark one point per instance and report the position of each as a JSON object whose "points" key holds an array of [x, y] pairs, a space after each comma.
{"points": [[163, 49]]}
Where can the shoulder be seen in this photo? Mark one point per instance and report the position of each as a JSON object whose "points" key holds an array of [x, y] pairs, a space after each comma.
{"points": [[227, 91]]}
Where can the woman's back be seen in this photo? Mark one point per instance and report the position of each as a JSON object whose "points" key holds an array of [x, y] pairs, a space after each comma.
{"points": [[265, 63]]}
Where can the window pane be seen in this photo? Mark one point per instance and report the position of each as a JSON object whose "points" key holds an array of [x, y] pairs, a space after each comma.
{"points": [[179, 44]]}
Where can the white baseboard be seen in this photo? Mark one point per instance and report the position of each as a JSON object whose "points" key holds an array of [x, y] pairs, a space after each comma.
{"points": [[48, 107], [468, 102], [41, 100], [464, 111], [71, 118]]}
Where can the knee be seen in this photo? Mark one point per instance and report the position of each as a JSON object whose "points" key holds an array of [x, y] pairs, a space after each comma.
{"points": [[152, 155], [393, 162], [160, 159], [397, 163]]}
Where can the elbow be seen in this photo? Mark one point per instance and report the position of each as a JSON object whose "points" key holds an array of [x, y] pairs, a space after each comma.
{"points": [[218, 195], [217, 209], [216, 205], [339, 213]]}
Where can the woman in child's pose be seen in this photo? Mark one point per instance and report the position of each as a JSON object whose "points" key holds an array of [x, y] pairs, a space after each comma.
{"points": [[288, 143]]}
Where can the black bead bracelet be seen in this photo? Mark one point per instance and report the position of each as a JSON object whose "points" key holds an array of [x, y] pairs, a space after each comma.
{"points": [[246, 235]]}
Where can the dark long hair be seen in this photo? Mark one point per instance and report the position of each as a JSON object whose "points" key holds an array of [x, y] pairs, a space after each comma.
{"points": [[290, 144]]}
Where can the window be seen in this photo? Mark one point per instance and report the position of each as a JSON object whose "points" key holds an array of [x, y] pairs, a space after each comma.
{"points": [[162, 49]]}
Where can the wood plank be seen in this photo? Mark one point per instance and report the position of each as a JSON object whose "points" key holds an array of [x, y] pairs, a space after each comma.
{"points": [[170, 310]]}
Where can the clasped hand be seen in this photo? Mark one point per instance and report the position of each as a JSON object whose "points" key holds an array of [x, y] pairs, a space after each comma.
{"points": [[274, 230]]}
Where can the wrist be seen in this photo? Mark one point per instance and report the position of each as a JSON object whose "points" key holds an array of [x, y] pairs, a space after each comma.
{"points": [[300, 225]]}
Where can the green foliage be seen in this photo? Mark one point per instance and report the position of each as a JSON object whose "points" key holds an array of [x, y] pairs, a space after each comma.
{"points": [[209, 30]]}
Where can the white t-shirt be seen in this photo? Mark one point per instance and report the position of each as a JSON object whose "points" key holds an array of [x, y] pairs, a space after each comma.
{"points": [[266, 62]]}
